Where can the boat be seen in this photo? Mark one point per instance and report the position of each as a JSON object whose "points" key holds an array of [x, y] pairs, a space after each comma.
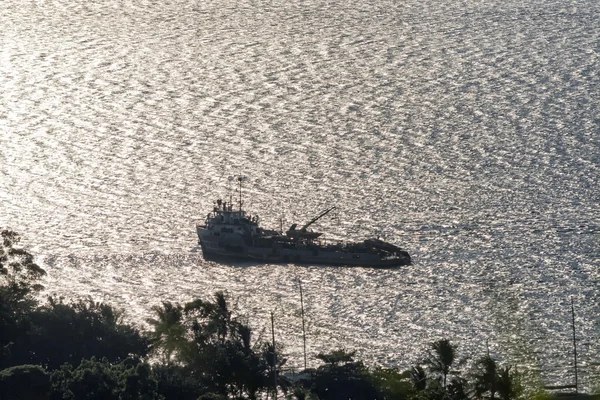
{"points": [[228, 232]]}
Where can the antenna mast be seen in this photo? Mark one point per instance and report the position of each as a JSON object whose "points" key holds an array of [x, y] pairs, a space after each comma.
{"points": [[239, 178]]}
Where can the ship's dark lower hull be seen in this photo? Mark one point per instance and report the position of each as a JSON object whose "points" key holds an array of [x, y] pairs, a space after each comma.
{"points": [[215, 252]]}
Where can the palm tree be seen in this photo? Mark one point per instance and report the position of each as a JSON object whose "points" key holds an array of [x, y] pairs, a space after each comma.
{"points": [[458, 389], [215, 317], [418, 378], [169, 332], [441, 357], [222, 316], [486, 378]]}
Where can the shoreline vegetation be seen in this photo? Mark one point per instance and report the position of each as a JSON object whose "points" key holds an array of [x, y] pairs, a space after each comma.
{"points": [[200, 350]]}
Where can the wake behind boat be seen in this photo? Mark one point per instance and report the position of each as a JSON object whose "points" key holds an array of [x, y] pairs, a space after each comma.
{"points": [[229, 232]]}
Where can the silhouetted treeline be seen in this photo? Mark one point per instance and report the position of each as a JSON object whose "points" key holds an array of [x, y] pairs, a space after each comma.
{"points": [[84, 350]]}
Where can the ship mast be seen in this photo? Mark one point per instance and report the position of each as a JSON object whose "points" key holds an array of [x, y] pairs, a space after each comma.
{"points": [[239, 179]]}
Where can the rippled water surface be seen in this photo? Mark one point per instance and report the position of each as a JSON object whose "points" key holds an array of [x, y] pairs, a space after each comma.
{"points": [[468, 132]]}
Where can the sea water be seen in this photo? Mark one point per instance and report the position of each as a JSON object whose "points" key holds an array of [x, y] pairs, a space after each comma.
{"points": [[466, 132]]}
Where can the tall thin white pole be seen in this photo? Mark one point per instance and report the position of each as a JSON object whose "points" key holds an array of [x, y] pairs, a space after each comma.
{"points": [[302, 313]]}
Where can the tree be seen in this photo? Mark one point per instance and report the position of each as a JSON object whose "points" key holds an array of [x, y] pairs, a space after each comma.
{"points": [[54, 333], [209, 342], [392, 384], [99, 379], [486, 378], [491, 380], [24, 382], [168, 335], [18, 274], [67, 333], [216, 319], [16, 264], [342, 378], [16, 303], [441, 357], [458, 389], [418, 378], [509, 385], [178, 382], [214, 346]]}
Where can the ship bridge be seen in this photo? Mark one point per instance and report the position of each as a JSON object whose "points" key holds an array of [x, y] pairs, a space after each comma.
{"points": [[224, 214], [228, 217]]}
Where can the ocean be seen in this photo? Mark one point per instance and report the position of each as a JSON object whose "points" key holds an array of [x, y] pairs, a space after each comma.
{"points": [[467, 132]]}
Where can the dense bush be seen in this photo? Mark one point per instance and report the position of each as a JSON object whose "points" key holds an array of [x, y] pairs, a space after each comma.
{"points": [[56, 333], [66, 333], [100, 379], [342, 378], [29, 382], [178, 382]]}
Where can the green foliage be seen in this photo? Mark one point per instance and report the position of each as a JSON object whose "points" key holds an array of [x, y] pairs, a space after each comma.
{"points": [[441, 358], [434, 390], [491, 380], [17, 273], [206, 353], [299, 393], [61, 333], [216, 319], [99, 379], [24, 382], [206, 338], [16, 305], [486, 378], [418, 378], [542, 394], [342, 378], [392, 384], [269, 366], [458, 389], [178, 382], [17, 287], [509, 386], [16, 264], [168, 334], [54, 333], [486, 381], [212, 396]]}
